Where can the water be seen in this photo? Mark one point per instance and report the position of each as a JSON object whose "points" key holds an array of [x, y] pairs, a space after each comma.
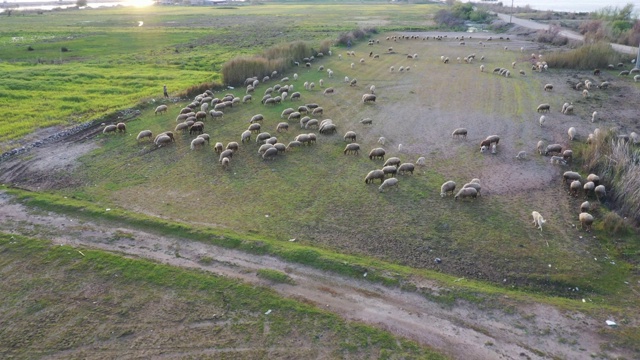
{"points": [[570, 5]]}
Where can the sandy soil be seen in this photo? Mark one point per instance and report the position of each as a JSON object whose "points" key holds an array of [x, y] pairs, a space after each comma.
{"points": [[463, 331]]}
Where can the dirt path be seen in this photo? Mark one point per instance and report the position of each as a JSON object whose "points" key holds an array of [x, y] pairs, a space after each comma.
{"points": [[463, 331]]}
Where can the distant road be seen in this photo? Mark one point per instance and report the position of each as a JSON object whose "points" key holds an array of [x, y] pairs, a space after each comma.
{"points": [[564, 32]]}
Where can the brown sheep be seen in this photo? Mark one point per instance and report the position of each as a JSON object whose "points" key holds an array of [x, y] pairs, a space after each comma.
{"points": [[122, 127]]}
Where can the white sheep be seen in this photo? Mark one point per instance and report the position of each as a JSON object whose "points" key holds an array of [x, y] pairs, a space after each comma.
{"points": [[481, 68], [540, 147], [421, 161], [494, 149], [542, 120], [353, 65], [593, 116], [330, 73], [382, 140], [538, 220], [466, 193], [390, 182], [197, 142], [585, 93], [521, 155], [144, 134], [391, 68], [372, 89], [447, 187], [585, 219], [321, 83], [636, 78], [295, 76], [459, 132], [572, 133], [161, 109]]}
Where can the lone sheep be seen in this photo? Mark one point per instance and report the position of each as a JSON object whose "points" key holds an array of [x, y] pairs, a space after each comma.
{"points": [[538, 220]]}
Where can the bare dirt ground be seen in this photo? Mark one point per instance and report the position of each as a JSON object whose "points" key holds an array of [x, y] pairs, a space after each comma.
{"points": [[463, 331]]}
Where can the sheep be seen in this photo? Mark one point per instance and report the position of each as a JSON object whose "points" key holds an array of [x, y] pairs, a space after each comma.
{"points": [[593, 178], [181, 117], [392, 161], [311, 86], [350, 135], [544, 108], [572, 133], [262, 137], [328, 90], [624, 73], [374, 174], [459, 132], [254, 128], [634, 137], [368, 98], [201, 115], [589, 186], [538, 220], [353, 65], [161, 109], [466, 193], [447, 187], [197, 143], [405, 168], [522, 155], [575, 186], [197, 127], [568, 110], [216, 114], [352, 148], [294, 116], [246, 136], [570, 175], [264, 148], [548, 87], [391, 68], [542, 120], [586, 219], [552, 148], [144, 134], [270, 154], [421, 161], [540, 147], [233, 146], [377, 153], [246, 99], [225, 154], [183, 126], [206, 137], [522, 72], [286, 112], [295, 95], [304, 121], [390, 169], [491, 139], [392, 182], [280, 147], [382, 140], [121, 127], [636, 78], [313, 123], [317, 111], [328, 129], [585, 207], [475, 185], [585, 93], [567, 155], [303, 139], [372, 89], [185, 110], [330, 73], [558, 160], [218, 147], [600, 192], [353, 82], [272, 140], [283, 126], [225, 163]]}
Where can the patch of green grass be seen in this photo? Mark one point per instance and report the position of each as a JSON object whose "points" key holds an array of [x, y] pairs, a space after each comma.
{"points": [[275, 276]]}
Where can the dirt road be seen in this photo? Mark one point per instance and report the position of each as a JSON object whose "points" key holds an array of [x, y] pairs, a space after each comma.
{"points": [[564, 32], [463, 331]]}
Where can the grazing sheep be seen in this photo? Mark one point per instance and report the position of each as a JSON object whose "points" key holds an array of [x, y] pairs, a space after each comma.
{"points": [[382, 140], [262, 137], [264, 148], [197, 143], [218, 147], [634, 137], [466, 193], [121, 127], [350, 135], [540, 147], [295, 95], [475, 185], [593, 178], [570, 175], [197, 127], [593, 116], [272, 140], [575, 186], [352, 148], [317, 111], [481, 68], [368, 98], [185, 110], [233, 146], [144, 134], [225, 154], [421, 161], [552, 148], [636, 78], [588, 187], [459, 132], [183, 126], [585, 93], [624, 73], [447, 187], [161, 109], [286, 112], [353, 82], [586, 219], [572, 133], [585, 207], [405, 168], [353, 65], [294, 116], [328, 129], [313, 123], [567, 155], [328, 90], [246, 98], [283, 126], [544, 108], [558, 160], [390, 170], [392, 161], [600, 192], [206, 137], [181, 117], [392, 182], [391, 68], [568, 110], [270, 154], [246, 136], [538, 220], [548, 87], [377, 153], [542, 120], [311, 86], [374, 174], [521, 155], [161, 140], [225, 163], [216, 114], [254, 128], [280, 147]]}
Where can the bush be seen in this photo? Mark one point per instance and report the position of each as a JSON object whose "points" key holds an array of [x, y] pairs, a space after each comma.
{"points": [[352, 36], [590, 56], [30, 48], [552, 36], [614, 223], [447, 19], [64, 49], [192, 91]]}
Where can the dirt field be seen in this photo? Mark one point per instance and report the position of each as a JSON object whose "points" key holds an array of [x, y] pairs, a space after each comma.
{"points": [[418, 109]]}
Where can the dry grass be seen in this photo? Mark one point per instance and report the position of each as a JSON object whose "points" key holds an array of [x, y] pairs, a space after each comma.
{"points": [[590, 56]]}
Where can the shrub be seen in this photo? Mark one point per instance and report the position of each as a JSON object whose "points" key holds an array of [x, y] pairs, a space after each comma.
{"points": [[64, 49], [589, 56], [194, 90], [614, 223], [30, 48], [353, 35], [552, 36]]}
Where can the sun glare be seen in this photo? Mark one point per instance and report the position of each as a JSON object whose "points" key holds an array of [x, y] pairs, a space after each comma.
{"points": [[138, 3]]}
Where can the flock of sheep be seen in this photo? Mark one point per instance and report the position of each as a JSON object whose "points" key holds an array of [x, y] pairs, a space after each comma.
{"points": [[191, 120]]}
